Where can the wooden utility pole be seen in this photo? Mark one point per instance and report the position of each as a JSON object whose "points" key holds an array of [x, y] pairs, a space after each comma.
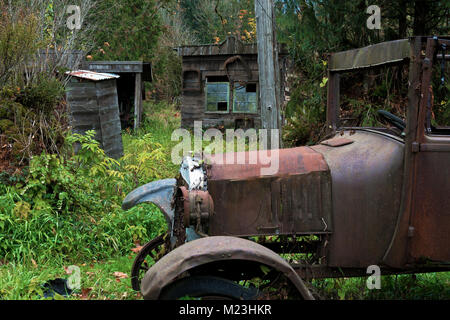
{"points": [[269, 71]]}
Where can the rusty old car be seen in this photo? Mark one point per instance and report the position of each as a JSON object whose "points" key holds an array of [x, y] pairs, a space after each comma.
{"points": [[363, 196]]}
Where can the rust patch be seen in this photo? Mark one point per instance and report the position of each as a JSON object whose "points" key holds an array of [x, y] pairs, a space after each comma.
{"points": [[336, 142], [295, 200], [293, 161], [198, 207]]}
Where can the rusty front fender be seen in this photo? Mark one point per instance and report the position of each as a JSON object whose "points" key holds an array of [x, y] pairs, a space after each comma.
{"points": [[199, 252], [159, 192]]}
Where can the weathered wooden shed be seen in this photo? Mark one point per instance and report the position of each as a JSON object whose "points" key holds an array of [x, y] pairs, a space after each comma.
{"points": [[93, 103], [221, 85], [130, 86]]}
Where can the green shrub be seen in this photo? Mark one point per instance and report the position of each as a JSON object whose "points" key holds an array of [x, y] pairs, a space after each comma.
{"points": [[19, 39], [441, 108], [125, 30], [305, 112], [144, 159], [43, 94], [69, 205], [425, 286], [33, 119], [40, 233]]}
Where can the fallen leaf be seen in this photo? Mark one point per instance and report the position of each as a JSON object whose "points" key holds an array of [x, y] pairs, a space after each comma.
{"points": [[137, 249], [120, 275], [85, 293], [34, 263]]}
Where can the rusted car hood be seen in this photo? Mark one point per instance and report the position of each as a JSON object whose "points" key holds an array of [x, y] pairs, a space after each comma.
{"points": [[295, 199], [292, 161]]}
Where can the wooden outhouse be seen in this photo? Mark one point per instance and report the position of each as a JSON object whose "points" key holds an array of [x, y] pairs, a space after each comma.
{"points": [[93, 104], [130, 86], [221, 85]]}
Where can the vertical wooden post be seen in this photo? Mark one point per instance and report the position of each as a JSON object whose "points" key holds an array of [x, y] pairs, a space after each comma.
{"points": [[137, 101], [269, 73]]}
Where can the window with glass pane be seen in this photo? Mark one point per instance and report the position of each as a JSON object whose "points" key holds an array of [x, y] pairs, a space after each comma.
{"points": [[244, 98], [217, 94]]}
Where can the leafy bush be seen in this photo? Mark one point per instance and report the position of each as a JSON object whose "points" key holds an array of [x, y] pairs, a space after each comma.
{"points": [[70, 205], [125, 30], [157, 127], [305, 112], [40, 233], [19, 38], [33, 119], [144, 160], [441, 108], [299, 131], [42, 95], [213, 21], [428, 286]]}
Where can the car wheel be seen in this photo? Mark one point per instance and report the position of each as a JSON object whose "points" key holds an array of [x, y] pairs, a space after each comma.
{"points": [[207, 288]]}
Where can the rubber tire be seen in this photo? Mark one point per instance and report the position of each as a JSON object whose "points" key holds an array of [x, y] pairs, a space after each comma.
{"points": [[204, 286], [139, 260]]}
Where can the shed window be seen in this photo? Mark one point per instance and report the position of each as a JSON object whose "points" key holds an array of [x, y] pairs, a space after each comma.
{"points": [[245, 98], [217, 95]]}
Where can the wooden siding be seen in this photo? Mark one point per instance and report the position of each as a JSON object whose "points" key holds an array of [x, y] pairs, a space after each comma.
{"points": [[193, 102], [142, 71], [210, 60], [230, 46]]}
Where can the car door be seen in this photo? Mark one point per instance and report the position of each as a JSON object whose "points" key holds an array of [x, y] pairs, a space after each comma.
{"points": [[430, 219]]}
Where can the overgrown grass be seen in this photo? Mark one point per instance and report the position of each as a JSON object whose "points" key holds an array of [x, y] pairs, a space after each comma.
{"points": [[160, 121], [430, 286], [67, 211], [71, 206], [98, 280]]}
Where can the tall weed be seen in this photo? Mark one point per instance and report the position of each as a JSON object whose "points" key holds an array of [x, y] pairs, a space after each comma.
{"points": [[69, 205]]}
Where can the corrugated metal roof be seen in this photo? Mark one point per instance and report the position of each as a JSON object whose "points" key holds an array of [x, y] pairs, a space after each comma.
{"points": [[91, 75]]}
